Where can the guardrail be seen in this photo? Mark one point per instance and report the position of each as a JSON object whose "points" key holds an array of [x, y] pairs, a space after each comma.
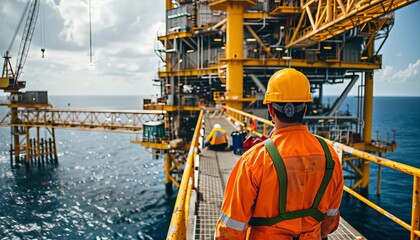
{"points": [[93, 120], [249, 121], [415, 172], [244, 119], [179, 220]]}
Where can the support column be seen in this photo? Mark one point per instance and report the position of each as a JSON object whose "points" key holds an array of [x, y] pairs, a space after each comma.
{"points": [[367, 116], [27, 142], [415, 218], [38, 147], [234, 55], [168, 183], [54, 146], [234, 48], [15, 134]]}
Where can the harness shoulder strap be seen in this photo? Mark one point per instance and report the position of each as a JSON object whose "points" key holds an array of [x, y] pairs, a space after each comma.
{"points": [[281, 172], [329, 167]]}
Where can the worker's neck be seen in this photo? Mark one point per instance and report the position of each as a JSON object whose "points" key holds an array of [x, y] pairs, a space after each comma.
{"points": [[280, 125]]}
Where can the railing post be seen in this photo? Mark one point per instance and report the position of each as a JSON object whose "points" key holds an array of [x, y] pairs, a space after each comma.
{"points": [[415, 208], [168, 183]]}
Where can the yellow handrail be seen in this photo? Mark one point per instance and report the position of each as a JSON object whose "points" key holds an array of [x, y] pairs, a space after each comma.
{"points": [[179, 220], [241, 117], [415, 212]]}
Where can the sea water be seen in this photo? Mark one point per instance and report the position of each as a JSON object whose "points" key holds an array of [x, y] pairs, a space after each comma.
{"points": [[105, 187]]}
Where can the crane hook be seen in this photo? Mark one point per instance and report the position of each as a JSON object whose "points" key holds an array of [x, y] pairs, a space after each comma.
{"points": [[43, 51]]}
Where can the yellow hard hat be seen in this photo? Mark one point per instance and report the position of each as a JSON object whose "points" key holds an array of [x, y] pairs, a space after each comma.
{"points": [[288, 85]]}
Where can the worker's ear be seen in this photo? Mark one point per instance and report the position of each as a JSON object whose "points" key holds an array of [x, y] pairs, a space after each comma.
{"points": [[271, 111]]}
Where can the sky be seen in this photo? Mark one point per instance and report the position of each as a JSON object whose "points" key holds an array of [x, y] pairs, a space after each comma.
{"points": [[124, 34]]}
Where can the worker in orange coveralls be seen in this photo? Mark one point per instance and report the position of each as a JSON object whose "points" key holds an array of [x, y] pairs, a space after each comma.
{"points": [[289, 186]]}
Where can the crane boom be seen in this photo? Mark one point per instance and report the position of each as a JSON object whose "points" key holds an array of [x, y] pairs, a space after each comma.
{"points": [[27, 37]]}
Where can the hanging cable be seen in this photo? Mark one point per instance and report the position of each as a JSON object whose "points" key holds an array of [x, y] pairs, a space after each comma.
{"points": [[42, 30], [90, 32]]}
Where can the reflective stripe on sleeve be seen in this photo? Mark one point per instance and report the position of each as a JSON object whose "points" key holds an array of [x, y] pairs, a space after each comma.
{"points": [[332, 212], [232, 223]]}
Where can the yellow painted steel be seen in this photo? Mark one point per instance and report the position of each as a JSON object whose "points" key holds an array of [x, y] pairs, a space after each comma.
{"points": [[377, 208], [255, 15], [188, 196], [179, 220], [212, 70], [4, 82], [234, 54], [379, 160], [167, 168], [243, 117], [368, 118], [324, 19], [416, 209], [414, 227], [116, 121], [296, 63], [27, 156]]}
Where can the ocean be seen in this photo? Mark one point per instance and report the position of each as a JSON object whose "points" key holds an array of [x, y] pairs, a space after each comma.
{"points": [[105, 187]]}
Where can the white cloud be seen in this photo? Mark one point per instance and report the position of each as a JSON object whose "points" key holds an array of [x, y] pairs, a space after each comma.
{"points": [[389, 74], [123, 36]]}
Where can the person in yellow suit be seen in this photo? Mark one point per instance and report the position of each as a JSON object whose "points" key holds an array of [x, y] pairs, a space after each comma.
{"points": [[290, 186], [216, 140]]}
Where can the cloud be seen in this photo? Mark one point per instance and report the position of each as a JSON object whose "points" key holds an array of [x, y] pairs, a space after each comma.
{"points": [[399, 55], [123, 37], [389, 74]]}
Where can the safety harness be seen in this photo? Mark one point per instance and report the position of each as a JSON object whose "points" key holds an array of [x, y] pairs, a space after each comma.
{"points": [[282, 175]]}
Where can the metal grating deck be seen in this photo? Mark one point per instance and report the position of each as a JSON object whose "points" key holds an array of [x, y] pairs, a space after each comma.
{"points": [[214, 171]]}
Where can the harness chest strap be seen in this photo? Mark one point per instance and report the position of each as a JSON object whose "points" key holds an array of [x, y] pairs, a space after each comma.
{"points": [[282, 176]]}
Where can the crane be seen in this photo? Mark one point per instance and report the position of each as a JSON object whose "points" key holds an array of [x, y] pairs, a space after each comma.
{"points": [[9, 80]]}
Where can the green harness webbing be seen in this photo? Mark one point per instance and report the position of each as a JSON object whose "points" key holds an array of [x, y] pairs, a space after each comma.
{"points": [[282, 175]]}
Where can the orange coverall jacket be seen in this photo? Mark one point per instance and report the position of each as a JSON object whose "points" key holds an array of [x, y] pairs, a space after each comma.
{"points": [[253, 190]]}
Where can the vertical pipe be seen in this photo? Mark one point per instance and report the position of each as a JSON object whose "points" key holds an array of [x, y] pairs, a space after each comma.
{"points": [[368, 108], [38, 146], [329, 10], [234, 54], [168, 183], [42, 150], [50, 143], [15, 134], [54, 146], [27, 141], [367, 116], [30, 150], [11, 155], [415, 208], [378, 190]]}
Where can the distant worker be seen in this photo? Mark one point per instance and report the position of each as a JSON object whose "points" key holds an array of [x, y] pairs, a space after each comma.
{"points": [[289, 186], [216, 140]]}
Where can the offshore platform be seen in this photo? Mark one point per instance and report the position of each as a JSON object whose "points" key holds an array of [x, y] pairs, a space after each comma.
{"points": [[218, 55], [222, 53], [217, 58]]}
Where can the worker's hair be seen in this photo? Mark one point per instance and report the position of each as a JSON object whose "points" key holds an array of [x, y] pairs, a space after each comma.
{"points": [[297, 117]]}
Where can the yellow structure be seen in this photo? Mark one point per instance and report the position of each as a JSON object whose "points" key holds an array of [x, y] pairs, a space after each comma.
{"points": [[222, 53]]}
